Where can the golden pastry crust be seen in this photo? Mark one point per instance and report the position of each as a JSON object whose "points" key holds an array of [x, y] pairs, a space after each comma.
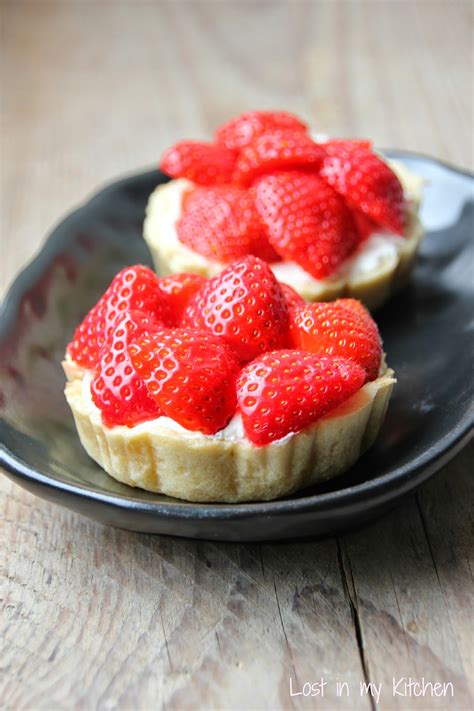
{"points": [[200, 468], [372, 287]]}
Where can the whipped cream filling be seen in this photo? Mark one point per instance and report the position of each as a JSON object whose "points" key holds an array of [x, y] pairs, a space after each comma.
{"points": [[381, 249]]}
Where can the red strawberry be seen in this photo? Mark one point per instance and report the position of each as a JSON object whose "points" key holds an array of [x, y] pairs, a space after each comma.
{"points": [[293, 299], [365, 225], [349, 143], [190, 375], [133, 288], [222, 223], [177, 290], [245, 305], [240, 131], [285, 391], [341, 328], [366, 182], [307, 221], [203, 163], [358, 308], [117, 390], [277, 150]]}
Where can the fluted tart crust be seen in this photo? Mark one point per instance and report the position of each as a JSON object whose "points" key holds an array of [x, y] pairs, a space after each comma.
{"points": [[196, 467]]}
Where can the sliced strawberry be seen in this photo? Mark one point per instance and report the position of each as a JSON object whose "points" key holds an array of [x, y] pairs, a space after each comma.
{"points": [[308, 222], [133, 288], [116, 389], [222, 223], [366, 182], [349, 143], [365, 225], [357, 308], [190, 375], [277, 150], [285, 391], [341, 328], [178, 290], [245, 305], [240, 131], [293, 299], [203, 163]]}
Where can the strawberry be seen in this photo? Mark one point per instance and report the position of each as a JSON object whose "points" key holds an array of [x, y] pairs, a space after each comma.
{"points": [[116, 389], [177, 290], [222, 223], [135, 288], [341, 328], [357, 308], [366, 182], [240, 131], [285, 391], [277, 150], [308, 222], [349, 143], [365, 225], [293, 299], [245, 305], [190, 375], [203, 163]]}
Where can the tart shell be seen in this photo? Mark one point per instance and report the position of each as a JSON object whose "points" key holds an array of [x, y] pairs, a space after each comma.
{"points": [[202, 468]]}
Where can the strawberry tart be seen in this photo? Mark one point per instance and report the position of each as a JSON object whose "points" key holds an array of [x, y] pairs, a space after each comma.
{"points": [[331, 217], [224, 389]]}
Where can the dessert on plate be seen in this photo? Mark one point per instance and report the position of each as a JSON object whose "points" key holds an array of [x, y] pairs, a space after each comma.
{"points": [[224, 389], [332, 217]]}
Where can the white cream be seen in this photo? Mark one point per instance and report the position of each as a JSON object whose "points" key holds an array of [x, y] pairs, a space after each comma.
{"points": [[378, 249]]}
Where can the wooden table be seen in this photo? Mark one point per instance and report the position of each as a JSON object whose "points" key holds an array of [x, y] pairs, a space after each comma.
{"points": [[94, 617]]}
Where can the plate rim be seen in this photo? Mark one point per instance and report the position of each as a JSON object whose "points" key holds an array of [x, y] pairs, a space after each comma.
{"points": [[373, 489], [404, 478]]}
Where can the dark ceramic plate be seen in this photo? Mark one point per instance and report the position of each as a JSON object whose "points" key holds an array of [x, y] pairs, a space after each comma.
{"points": [[427, 336]]}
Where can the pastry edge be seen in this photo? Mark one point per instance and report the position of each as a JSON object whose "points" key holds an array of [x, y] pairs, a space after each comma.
{"points": [[215, 470]]}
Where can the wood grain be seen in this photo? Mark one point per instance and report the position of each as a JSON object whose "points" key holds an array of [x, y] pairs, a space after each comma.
{"points": [[96, 618]]}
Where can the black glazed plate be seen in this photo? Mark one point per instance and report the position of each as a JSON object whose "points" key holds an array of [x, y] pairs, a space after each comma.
{"points": [[427, 332]]}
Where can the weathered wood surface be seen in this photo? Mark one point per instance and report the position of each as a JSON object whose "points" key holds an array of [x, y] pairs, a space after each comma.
{"points": [[93, 617]]}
